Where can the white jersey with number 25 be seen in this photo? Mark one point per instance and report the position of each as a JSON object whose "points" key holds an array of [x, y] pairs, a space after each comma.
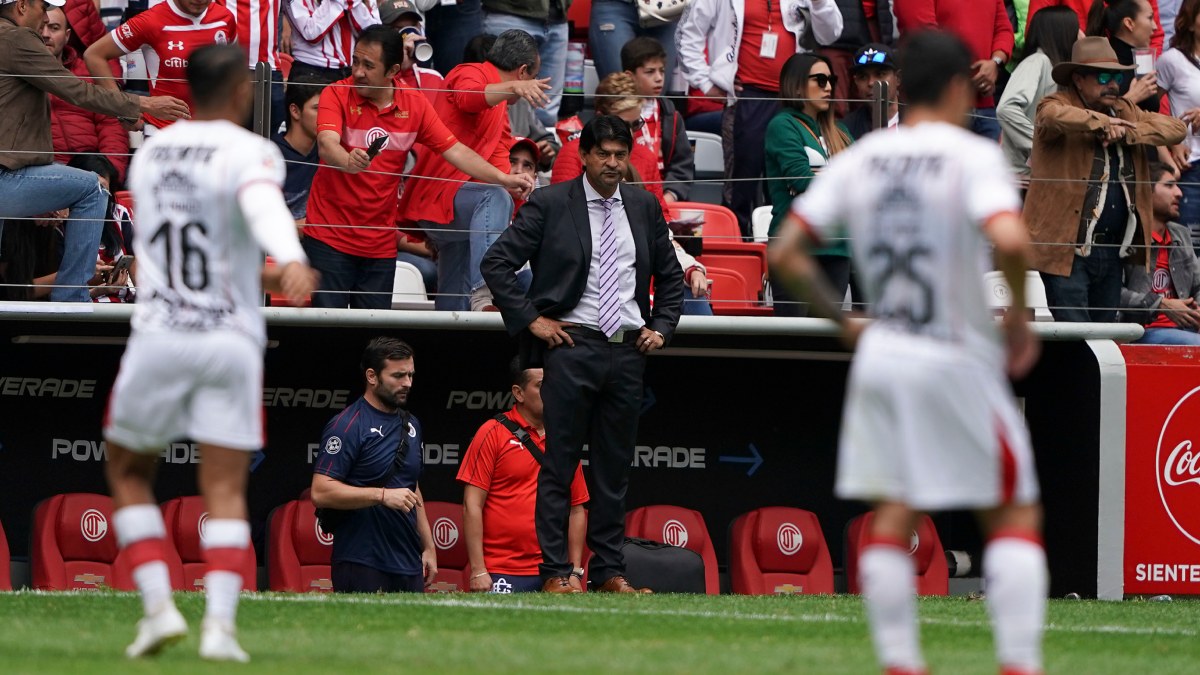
{"points": [[914, 202], [199, 260]]}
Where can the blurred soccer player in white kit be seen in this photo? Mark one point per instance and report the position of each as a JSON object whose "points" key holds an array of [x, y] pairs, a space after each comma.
{"points": [[930, 422], [208, 197]]}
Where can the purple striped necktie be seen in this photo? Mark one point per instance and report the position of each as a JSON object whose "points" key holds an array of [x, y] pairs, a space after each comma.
{"points": [[610, 289]]}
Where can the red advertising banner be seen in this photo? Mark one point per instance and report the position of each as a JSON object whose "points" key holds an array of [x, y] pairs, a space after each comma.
{"points": [[1162, 471]]}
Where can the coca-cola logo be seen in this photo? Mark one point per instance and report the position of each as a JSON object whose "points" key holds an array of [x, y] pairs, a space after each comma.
{"points": [[1178, 465]]}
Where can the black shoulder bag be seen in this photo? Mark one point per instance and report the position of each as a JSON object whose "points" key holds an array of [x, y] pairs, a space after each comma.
{"points": [[522, 435], [330, 518]]}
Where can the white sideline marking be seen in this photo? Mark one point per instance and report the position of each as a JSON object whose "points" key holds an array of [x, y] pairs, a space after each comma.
{"points": [[727, 615]]}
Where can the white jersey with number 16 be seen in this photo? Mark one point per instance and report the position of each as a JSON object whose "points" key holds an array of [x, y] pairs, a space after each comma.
{"points": [[913, 203], [199, 260]]}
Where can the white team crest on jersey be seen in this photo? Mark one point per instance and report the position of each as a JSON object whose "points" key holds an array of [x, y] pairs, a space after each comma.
{"points": [[220, 38], [334, 445], [375, 133]]}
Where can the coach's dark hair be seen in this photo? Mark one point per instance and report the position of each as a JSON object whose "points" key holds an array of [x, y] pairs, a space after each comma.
{"points": [[390, 43], [517, 375], [300, 90], [930, 60], [640, 50], [478, 47], [1157, 169], [513, 49], [605, 128], [213, 71], [381, 350]]}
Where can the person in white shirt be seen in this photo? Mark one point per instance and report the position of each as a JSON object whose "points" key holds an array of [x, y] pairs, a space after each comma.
{"points": [[930, 422], [208, 196]]}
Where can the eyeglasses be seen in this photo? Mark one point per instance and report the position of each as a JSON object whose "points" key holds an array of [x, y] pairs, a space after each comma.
{"points": [[824, 80], [637, 124], [1104, 77]]}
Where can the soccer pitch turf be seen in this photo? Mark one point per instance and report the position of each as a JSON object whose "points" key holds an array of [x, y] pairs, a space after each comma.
{"points": [[459, 633]]}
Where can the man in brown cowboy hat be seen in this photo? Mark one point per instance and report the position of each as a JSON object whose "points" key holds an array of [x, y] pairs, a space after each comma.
{"points": [[1090, 197]]}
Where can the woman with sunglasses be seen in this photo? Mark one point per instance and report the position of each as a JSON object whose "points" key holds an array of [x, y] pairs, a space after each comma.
{"points": [[1048, 42], [1179, 76], [800, 140]]}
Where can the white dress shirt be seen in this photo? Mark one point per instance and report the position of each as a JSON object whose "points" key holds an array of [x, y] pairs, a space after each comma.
{"points": [[587, 312]]}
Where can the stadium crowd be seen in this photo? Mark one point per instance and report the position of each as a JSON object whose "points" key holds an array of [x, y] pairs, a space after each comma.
{"points": [[400, 122]]}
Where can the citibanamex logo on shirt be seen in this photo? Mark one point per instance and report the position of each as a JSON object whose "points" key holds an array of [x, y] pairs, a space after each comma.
{"points": [[1177, 460], [445, 533], [674, 533]]}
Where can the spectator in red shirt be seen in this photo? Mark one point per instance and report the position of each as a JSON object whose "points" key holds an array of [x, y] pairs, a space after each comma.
{"points": [[173, 29], [349, 237], [461, 218], [74, 129], [499, 473], [984, 26]]}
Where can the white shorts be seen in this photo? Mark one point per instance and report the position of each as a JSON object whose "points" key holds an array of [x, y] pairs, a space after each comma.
{"points": [[206, 387], [935, 429]]}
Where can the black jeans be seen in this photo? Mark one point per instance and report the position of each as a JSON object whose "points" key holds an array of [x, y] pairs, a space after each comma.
{"points": [[351, 577], [1091, 293], [351, 281]]}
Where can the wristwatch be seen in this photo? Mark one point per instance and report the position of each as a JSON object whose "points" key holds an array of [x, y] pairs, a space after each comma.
{"points": [[998, 61], [577, 572]]}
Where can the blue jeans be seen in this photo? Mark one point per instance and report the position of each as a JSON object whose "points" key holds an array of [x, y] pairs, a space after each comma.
{"points": [[1169, 336], [708, 122], [551, 40], [481, 212], [426, 266], [615, 22], [35, 190], [693, 306], [449, 28], [350, 280], [1189, 208], [983, 123], [1095, 282]]}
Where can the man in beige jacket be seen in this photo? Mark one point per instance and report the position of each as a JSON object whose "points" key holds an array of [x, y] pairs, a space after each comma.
{"points": [[30, 185], [1089, 200]]}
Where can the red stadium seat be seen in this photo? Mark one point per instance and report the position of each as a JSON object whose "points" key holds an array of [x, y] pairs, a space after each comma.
{"points": [[185, 518], [579, 15], [454, 568], [733, 292], [124, 198], [298, 550], [677, 526], [720, 225], [779, 550], [933, 577], [5, 570], [74, 546], [285, 61], [280, 300]]}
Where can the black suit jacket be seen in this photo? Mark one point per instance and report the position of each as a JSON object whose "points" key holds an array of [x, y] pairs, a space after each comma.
{"points": [[553, 233]]}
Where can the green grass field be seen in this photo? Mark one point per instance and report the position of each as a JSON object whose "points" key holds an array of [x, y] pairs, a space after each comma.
{"points": [[291, 634]]}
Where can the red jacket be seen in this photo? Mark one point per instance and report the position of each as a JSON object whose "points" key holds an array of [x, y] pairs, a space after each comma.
{"points": [[982, 24], [85, 22], [77, 130]]}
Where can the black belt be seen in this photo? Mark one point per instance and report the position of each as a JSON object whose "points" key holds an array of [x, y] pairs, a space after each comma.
{"points": [[627, 336]]}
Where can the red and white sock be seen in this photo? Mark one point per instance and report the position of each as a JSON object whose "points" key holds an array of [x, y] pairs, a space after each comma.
{"points": [[890, 593], [226, 544], [1014, 569], [141, 534]]}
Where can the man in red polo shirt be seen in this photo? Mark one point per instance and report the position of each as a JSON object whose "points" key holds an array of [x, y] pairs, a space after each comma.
{"points": [[350, 236], [499, 473], [461, 218], [174, 30]]}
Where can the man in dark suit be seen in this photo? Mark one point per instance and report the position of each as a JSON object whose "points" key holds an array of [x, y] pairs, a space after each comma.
{"points": [[594, 246]]}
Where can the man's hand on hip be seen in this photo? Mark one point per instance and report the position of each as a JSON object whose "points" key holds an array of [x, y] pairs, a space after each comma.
{"points": [[551, 331]]}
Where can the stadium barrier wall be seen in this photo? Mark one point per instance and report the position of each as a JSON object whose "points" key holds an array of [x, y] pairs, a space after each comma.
{"points": [[739, 413]]}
